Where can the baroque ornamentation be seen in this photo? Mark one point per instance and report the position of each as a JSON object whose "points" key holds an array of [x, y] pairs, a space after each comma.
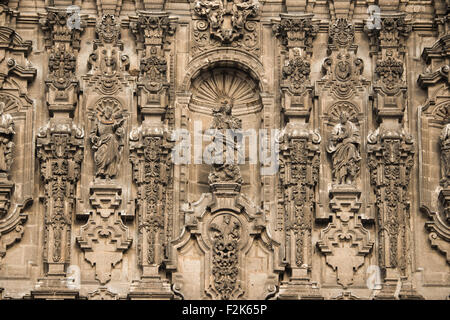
{"points": [[390, 162], [6, 144], [345, 242], [297, 73], [227, 23], [225, 231], [107, 63], [296, 31], [390, 71], [104, 237], [343, 73], [341, 34], [343, 144], [445, 155], [150, 152], [151, 31], [299, 174], [224, 146], [106, 137], [60, 153]]}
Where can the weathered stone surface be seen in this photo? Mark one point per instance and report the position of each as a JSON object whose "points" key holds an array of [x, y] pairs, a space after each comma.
{"points": [[224, 149]]}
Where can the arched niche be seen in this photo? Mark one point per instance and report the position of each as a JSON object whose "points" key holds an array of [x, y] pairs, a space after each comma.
{"points": [[208, 90]]}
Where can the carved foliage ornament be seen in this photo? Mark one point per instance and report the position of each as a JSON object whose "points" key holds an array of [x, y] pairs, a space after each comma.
{"points": [[297, 73], [60, 152], [296, 32], [151, 171], [228, 22], [152, 29], [299, 175], [343, 73], [341, 33], [390, 162], [225, 232], [390, 71], [56, 28], [107, 61]]}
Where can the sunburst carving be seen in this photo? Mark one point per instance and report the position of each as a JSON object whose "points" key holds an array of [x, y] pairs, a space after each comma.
{"points": [[211, 88]]}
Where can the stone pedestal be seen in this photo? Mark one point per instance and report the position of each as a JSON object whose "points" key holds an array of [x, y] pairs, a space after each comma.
{"points": [[6, 190], [151, 286], [54, 288], [299, 287]]}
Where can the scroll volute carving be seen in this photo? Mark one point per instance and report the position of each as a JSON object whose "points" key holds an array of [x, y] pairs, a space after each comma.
{"points": [[226, 18], [296, 33], [226, 226], [16, 114], [62, 42], [152, 31], [108, 66], [150, 156], [387, 45]]}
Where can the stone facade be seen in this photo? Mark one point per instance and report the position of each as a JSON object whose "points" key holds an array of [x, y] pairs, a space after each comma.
{"points": [[108, 107]]}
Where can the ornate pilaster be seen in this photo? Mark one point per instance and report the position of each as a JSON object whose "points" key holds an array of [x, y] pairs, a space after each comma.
{"points": [[391, 151], [60, 151], [150, 155], [299, 153]]}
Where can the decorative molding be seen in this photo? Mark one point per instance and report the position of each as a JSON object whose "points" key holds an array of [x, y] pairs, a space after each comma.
{"points": [[60, 147], [104, 238], [345, 242]]}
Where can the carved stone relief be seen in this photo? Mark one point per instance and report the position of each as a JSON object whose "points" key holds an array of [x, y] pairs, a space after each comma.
{"points": [[225, 23]]}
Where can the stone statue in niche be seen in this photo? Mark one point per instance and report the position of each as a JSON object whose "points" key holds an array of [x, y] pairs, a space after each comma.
{"points": [[106, 137], [344, 147], [6, 144], [226, 130], [445, 155]]}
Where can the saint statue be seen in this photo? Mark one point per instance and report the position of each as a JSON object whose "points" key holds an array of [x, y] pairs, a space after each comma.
{"points": [[344, 147], [6, 136], [445, 155], [106, 137], [226, 127]]}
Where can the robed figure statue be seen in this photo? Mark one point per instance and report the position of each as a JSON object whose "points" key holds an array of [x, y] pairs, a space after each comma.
{"points": [[344, 147], [106, 137]]}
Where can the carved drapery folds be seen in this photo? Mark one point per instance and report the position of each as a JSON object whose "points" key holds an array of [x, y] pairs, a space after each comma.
{"points": [[108, 66], [106, 135], [226, 23], [60, 152], [225, 147], [343, 144]]}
